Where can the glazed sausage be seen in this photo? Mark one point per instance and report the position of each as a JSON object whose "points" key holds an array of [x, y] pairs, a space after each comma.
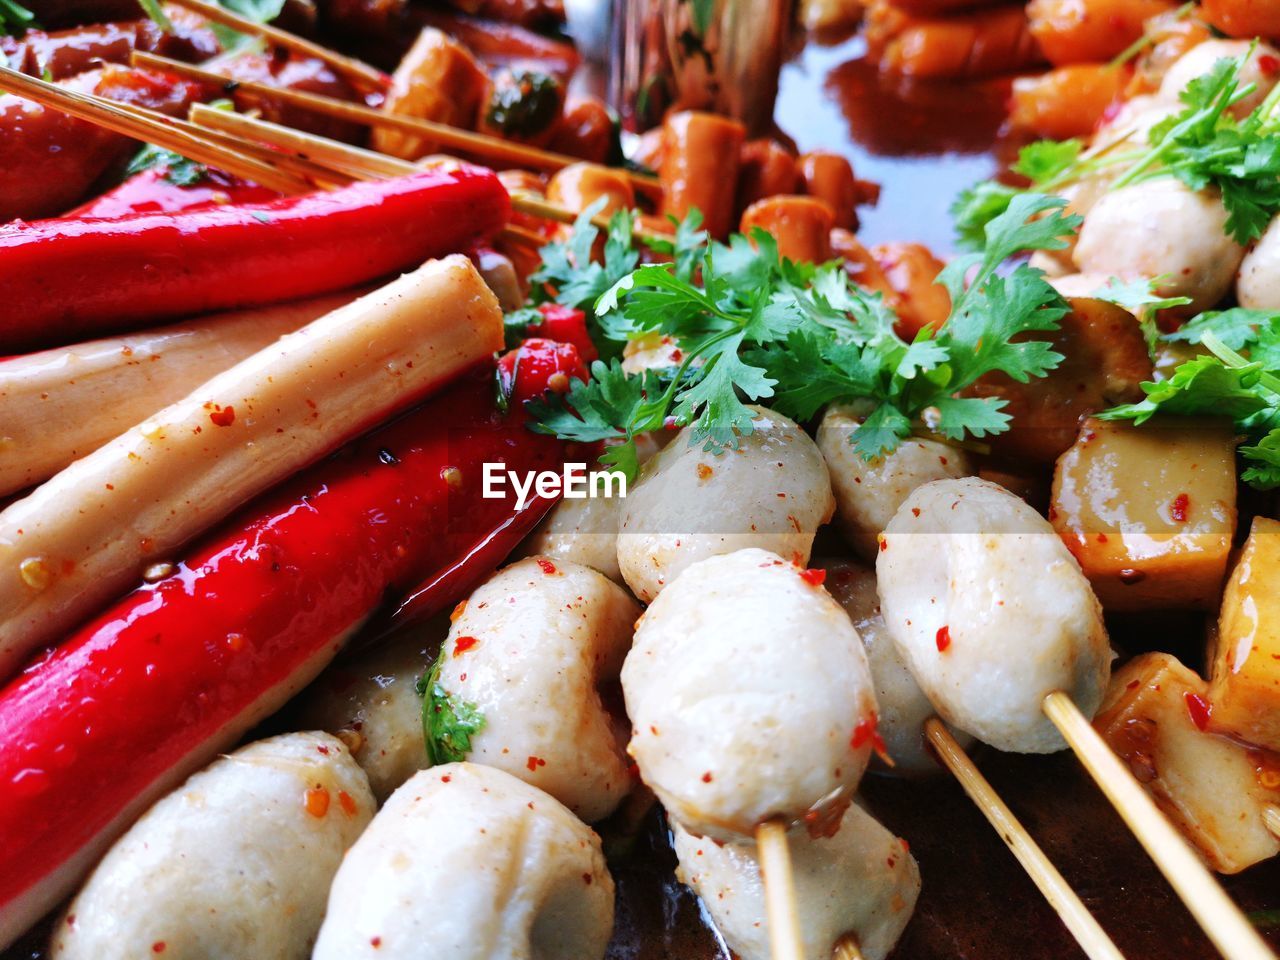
{"points": [[990, 612], [829, 177], [370, 703], [236, 862], [868, 494], [903, 707], [699, 169], [749, 695], [529, 651], [439, 80], [579, 185], [1089, 31], [1245, 19], [64, 53], [979, 43], [1066, 102], [911, 272], [1162, 228], [766, 168], [860, 881], [773, 492], [467, 862], [299, 73], [800, 225], [586, 130]]}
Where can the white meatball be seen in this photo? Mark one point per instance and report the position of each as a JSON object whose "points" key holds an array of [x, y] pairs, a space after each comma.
{"points": [[528, 651], [1202, 58], [1080, 284], [234, 863], [1162, 228], [1132, 123], [861, 881], [749, 695], [1258, 284], [991, 612], [868, 494], [586, 530], [772, 492], [466, 862], [903, 706], [372, 705]]}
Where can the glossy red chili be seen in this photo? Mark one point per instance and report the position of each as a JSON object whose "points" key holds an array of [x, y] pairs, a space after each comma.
{"points": [[66, 280], [539, 361], [568, 325], [151, 191], [179, 669]]}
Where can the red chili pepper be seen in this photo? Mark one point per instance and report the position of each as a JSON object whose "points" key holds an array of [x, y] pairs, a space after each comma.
{"points": [[65, 280], [943, 638], [95, 730], [151, 191], [539, 361], [1178, 508], [1199, 709], [568, 325]]}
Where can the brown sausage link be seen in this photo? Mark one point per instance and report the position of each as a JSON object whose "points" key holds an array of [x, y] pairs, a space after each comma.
{"points": [[700, 167], [291, 72], [1089, 31], [911, 270], [586, 130], [800, 225], [767, 169]]}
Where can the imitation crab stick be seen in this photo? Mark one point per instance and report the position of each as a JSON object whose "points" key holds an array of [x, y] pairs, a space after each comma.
{"points": [[67, 280], [154, 687], [61, 404], [91, 530]]}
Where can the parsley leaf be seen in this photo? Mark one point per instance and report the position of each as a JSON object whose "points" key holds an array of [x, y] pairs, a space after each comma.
{"points": [[178, 170], [15, 19], [448, 722], [1238, 327]]}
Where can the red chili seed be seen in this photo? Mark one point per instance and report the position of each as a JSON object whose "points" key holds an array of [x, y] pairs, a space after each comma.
{"points": [[1199, 708], [463, 645], [813, 576], [1179, 507], [943, 638]]}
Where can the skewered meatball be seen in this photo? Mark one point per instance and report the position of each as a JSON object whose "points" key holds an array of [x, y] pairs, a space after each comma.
{"points": [[869, 493], [528, 651], [991, 612], [370, 703], [1258, 283], [1162, 228], [861, 881], [749, 695], [773, 492], [469, 863], [234, 863], [903, 706], [1260, 69]]}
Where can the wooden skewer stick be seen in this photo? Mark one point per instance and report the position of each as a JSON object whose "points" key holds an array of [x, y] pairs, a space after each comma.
{"points": [[1217, 914], [779, 891], [361, 74], [366, 164], [113, 116], [1092, 938], [478, 144], [355, 161], [847, 949], [1271, 817]]}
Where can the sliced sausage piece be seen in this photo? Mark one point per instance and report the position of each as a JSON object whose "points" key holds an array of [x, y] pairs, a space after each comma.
{"points": [[868, 494], [699, 168], [800, 225], [467, 862], [773, 492], [861, 881], [991, 612], [438, 80], [234, 863], [767, 168], [750, 697]]}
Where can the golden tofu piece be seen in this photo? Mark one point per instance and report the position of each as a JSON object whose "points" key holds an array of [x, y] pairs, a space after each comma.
{"points": [[1245, 688], [1149, 511], [1155, 717]]}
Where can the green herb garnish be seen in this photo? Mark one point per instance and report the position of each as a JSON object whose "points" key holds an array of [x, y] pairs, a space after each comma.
{"points": [[448, 722], [525, 106], [751, 327], [15, 19], [176, 168]]}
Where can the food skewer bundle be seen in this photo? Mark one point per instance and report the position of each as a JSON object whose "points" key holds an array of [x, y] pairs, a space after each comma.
{"points": [[752, 692]]}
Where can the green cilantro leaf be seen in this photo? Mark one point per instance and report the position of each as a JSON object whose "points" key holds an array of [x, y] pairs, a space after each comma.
{"points": [[176, 168], [448, 722], [15, 19], [1238, 327]]}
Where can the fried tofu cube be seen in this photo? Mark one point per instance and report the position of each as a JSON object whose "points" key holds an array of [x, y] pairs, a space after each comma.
{"points": [[1149, 511], [1215, 790], [1245, 687]]}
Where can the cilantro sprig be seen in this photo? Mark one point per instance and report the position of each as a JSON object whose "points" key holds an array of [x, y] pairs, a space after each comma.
{"points": [[1224, 382], [15, 19], [448, 722], [1204, 146], [752, 327], [175, 168]]}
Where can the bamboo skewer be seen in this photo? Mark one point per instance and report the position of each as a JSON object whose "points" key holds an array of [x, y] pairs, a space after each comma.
{"points": [[847, 949], [1223, 921], [1092, 938], [365, 77], [478, 144], [365, 164], [117, 117], [780, 902]]}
